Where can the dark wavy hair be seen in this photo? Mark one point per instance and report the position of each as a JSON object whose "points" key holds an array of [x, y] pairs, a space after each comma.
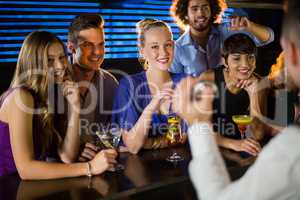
{"points": [[238, 43], [179, 10]]}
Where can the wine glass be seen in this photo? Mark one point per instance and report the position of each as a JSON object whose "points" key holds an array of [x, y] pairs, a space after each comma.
{"points": [[174, 135], [242, 121], [110, 140]]}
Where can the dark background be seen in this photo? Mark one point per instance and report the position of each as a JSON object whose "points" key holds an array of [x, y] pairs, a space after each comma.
{"points": [[121, 51]]}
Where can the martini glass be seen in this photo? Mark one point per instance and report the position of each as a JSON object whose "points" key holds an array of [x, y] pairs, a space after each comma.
{"points": [[110, 140], [242, 121]]}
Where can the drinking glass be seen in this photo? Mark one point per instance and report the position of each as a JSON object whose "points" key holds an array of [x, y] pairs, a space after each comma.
{"points": [[174, 135], [242, 121], [110, 140]]}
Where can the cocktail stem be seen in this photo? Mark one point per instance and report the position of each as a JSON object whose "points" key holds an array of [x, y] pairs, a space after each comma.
{"points": [[242, 129]]}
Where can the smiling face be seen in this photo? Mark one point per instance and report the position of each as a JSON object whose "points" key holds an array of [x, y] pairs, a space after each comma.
{"points": [[158, 47], [241, 66], [57, 60], [199, 15], [89, 52]]}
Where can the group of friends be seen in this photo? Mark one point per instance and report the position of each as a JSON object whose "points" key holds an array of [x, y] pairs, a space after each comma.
{"points": [[52, 110]]}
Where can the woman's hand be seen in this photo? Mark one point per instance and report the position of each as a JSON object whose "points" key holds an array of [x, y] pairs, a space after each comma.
{"points": [[248, 145], [71, 93], [193, 110], [88, 153], [249, 85], [161, 95], [104, 160]]}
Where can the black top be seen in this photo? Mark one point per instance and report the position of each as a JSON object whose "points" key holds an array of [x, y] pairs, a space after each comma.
{"points": [[228, 104]]}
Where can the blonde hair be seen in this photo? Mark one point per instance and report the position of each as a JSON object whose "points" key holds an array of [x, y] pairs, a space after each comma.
{"points": [[142, 27], [32, 72]]}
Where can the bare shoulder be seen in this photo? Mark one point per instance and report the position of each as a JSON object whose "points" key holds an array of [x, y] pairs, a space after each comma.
{"points": [[16, 103], [19, 97]]}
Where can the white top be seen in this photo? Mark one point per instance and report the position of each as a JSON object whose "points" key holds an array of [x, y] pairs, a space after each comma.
{"points": [[274, 175]]}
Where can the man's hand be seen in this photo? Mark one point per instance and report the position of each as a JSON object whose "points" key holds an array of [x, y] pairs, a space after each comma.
{"points": [[240, 24], [192, 110]]}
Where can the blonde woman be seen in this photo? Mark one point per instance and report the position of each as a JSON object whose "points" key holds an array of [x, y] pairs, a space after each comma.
{"points": [[142, 101], [27, 132]]}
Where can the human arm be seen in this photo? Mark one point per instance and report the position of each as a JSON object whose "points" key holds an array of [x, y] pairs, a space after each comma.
{"points": [[248, 145], [136, 137], [274, 166], [207, 169], [69, 149], [263, 35], [21, 103], [262, 125]]}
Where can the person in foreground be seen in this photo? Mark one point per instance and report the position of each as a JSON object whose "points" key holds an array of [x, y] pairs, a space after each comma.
{"points": [[276, 172], [142, 101], [27, 131]]}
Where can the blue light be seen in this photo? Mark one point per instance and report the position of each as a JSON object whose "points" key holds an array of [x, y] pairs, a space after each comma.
{"points": [[158, 2], [37, 16], [119, 30], [6, 60], [72, 10], [115, 43], [5, 53], [121, 36], [130, 30], [34, 23], [107, 56], [145, 6], [5, 38], [30, 30], [10, 45], [120, 42], [121, 49], [125, 55], [106, 17], [87, 4], [130, 24], [125, 11], [139, 17]]}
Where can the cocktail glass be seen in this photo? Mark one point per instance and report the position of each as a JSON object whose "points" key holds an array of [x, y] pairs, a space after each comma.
{"points": [[174, 135], [110, 140], [242, 121]]}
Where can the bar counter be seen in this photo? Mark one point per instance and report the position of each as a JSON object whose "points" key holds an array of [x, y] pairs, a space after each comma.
{"points": [[146, 176]]}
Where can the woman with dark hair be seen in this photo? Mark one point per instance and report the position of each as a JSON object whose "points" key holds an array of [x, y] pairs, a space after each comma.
{"points": [[233, 82]]}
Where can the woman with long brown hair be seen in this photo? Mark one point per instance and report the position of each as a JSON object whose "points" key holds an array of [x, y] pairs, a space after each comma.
{"points": [[27, 132]]}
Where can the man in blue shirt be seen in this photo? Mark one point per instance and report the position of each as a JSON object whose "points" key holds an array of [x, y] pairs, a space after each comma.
{"points": [[199, 48]]}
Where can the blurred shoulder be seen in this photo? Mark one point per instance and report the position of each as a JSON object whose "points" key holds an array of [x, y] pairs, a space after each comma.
{"points": [[108, 76], [208, 75]]}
